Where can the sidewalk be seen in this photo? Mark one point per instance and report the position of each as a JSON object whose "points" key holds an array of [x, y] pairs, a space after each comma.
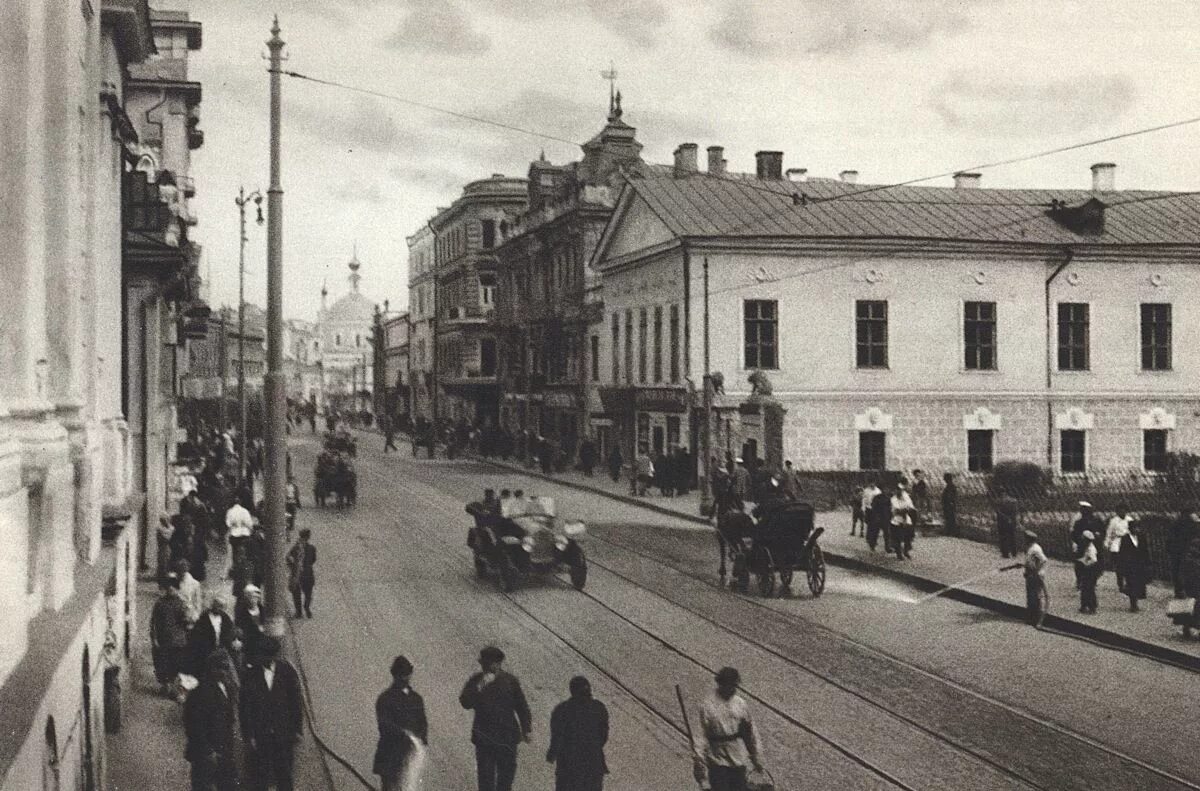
{"points": [[147, 753], [939, 561]]}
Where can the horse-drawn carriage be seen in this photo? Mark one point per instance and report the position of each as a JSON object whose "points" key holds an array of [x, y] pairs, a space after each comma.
{"points": [[335, 477], [782, 541]]}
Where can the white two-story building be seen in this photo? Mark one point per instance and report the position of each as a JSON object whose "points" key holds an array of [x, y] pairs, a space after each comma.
{"points": [[932, 327]]}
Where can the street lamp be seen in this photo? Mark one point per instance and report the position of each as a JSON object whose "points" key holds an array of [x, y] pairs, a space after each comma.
{"points": [[241, 200]]}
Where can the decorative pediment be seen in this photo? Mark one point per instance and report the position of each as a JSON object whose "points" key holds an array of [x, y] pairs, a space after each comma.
{"points": [[874, 419], [1157, 418], [982, 419], [1075, 418]]}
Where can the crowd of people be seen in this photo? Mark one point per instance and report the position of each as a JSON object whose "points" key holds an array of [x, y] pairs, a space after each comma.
{"points": [[224, 667], [725, 750]]}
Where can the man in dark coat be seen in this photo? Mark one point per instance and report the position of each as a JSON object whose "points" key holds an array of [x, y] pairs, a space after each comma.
{"points": [[950, 505], [1181, 533], [1008, 514], [502, 720], [879, 520], [302, 578], [400, 714], [615, 462], [1134, 562], [587, 457], [168, 633], [578, 733], [272, 718], [213, 628], [1087, 522], [208, 719]]}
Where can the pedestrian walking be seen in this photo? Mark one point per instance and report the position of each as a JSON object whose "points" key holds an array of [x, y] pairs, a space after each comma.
{"points": [[578, 733], [168, 633], [162, 545], [272, 718], [183, 539], [403, 732], [860, 507], [742, 482], [1089, 569], [1133, 560], [213, 628], [1008, 515], [301, 579], [587, 457], [248, 619], [1035, 579], [728, 743], [1190, 572], [645, 473], [615, 462], [1181, 533], [291, 503], [238, 526], [903, 529], [879, 520], [1114, 534], [502, 720], [209, 714], [950, 505], [190, 590], [389, 433]]}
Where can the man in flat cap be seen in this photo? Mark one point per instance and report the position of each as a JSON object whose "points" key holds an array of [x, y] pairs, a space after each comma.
{"points": [[502, 720], [272, 718], [1087, 522], [728, 744], [403, 730], [578, 733]]}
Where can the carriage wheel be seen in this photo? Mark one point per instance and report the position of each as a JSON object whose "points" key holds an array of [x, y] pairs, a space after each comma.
{"points": [[816, 571], [766, 574]]}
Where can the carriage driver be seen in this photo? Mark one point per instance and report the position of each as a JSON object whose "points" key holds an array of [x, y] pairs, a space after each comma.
{"points": [[728, 743]]}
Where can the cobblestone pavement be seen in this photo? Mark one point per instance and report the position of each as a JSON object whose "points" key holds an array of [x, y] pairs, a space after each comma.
{"points": [[869, 712]]}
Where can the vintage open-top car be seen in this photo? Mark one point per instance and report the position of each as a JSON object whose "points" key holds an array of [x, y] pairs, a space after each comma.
{"points": [[527, 538]]}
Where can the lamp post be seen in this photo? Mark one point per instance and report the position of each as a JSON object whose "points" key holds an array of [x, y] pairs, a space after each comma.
{"points": [[241, 200], [274, 394]]}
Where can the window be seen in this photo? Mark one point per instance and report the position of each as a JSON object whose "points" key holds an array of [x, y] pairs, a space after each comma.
{"points": [[674, 436], [595, 358], [487, 290], [1072, 450], [1156, 336], [979, 336], [674, 344], [872, 450], [642, 326], [980, 450], [487, 356], [658, 328], [1073, 336], [1154, 450], [629, 347], [870, 318], [760, 317], [615, 349], [489, 234]]}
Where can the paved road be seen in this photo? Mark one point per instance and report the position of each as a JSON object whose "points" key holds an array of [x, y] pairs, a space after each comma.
{"points": [[860, 689]]}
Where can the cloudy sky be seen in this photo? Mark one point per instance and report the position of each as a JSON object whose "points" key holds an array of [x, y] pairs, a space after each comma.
{"points": [[894, 89]]}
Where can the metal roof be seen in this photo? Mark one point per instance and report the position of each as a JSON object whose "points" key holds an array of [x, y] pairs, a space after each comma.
{"points": [[699, 205]]}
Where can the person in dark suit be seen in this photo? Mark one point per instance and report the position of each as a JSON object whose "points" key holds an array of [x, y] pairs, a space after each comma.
{"points": [[400, 714], [213, 628], [208, 719], [502, 720], [272, 718], [301, 578], [1134, 562], [578, 733]]}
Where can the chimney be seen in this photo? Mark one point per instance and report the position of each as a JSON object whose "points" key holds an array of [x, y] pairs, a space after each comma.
{"points": [[770, 165], [966, 181], [849, 176], [716, 161], [796, 174], [685, 159], [1104, 177]]}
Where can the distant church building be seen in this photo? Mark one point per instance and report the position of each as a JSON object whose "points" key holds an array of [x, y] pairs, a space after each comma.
{"points": [[344, 354]]}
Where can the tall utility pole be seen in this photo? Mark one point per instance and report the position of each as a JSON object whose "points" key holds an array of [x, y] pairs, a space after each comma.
{"points": [[274, 392], [241, 200], [706, 499], [223, 368]]}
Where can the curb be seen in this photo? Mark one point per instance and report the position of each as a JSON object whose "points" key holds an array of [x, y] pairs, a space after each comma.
{"points": [[1051, 623]]}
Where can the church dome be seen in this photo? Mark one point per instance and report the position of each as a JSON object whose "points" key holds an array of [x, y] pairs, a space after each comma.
{"points": [[354, 307]]}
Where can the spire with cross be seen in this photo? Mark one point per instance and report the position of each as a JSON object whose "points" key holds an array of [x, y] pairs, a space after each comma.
{"points": [[614, 103]]}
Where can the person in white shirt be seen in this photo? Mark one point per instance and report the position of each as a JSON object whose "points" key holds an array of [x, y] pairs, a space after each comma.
{"points": [[728, 743], [239, 525], [190, 590], [1118, 528], [1035, 579], [1089, 573], [902, 521], [864, 507]]}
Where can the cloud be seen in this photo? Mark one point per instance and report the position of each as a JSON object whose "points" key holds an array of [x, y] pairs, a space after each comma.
{"points": [[355, 190], [431, 177], [780, 28], [438, 26], [1003, 106], [361, 124], [636, 21]]}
